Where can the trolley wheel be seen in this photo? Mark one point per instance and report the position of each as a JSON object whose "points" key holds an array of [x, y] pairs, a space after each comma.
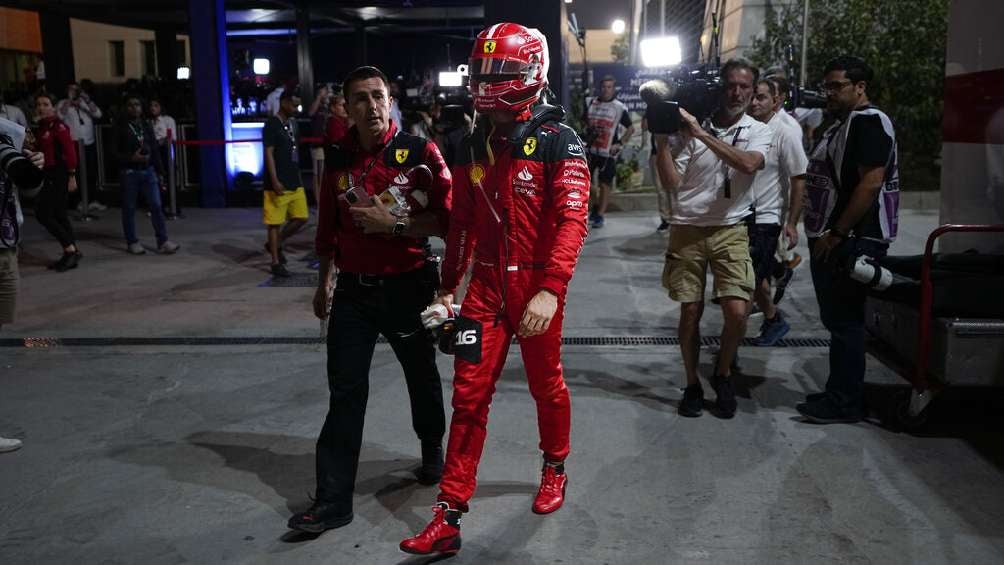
{"points": [[899, 415]]}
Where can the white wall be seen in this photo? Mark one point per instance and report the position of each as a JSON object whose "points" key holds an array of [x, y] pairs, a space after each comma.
{"points": [[92, 54]]}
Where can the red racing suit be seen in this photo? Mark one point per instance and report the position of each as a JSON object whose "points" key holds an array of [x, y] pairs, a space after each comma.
{"points": [[520, 208]]}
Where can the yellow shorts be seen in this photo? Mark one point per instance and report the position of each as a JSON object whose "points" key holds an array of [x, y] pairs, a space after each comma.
{"points": [[692, 249], [292, 205]]}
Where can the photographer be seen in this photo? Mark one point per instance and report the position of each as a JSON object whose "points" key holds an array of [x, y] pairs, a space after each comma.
{"points": [[16, 174], [79, 113], [851, 211], [708, 175], [605, 116]]}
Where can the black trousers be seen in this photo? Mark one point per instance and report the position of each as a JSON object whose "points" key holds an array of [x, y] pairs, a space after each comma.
{"points": [[842, 310], [50, 207], [363, 308]]}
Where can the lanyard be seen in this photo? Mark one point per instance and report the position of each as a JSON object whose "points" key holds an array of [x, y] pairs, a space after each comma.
{"points": [[727, 185]]}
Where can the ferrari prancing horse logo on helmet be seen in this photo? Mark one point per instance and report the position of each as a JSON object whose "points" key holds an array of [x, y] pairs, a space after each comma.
{"points": [[401, 155], [530, 146], [489, 47]]}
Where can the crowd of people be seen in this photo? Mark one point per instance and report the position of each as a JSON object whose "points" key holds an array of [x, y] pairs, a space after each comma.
{"points": [[513, 206]]}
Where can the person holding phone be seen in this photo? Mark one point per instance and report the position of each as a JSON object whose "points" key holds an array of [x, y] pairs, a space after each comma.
{"points": [[141, 172], [385, 278]]}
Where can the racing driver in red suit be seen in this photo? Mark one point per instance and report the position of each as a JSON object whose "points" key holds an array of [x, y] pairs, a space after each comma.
{"points": [[520, 194]]}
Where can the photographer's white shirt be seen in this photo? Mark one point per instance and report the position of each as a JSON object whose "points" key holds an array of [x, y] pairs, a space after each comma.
{"points": [[785, 159], [700, 200], [79, 120]]}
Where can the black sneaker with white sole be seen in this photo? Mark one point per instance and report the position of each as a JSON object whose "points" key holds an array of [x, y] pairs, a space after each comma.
{"points": [[692, 404]]}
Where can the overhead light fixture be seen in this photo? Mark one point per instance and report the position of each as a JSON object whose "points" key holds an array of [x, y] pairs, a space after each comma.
{"points": [[568, 1], [657, 52], [184, 73], [261, 66], [618, 26], [451, 78]]}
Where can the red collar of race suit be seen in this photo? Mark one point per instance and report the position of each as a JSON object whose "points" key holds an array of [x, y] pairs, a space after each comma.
{"points": [[351, 141]]}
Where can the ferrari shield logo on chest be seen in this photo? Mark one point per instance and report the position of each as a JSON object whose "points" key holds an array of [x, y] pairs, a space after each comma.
{"points": [[401, 155], [530, 146]]}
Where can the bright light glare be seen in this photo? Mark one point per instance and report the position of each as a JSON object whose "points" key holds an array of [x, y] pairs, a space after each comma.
{"points": [[618, 26], [261, 66], [184, 73], [450, 78], [661, 51], [568, 1]]}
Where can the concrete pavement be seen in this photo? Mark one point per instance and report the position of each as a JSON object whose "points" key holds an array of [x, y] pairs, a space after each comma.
{"points": [[168, 453]]}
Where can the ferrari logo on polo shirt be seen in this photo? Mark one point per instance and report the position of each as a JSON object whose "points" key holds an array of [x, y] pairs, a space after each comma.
{"points": [[477, 174], [489, 47], [530, 146], [401, 155]]}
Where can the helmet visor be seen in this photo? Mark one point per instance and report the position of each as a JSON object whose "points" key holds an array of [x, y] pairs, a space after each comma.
{"points": [[496, 69]]}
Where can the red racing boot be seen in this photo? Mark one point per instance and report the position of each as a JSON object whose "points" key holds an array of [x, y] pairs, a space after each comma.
{"points": [[552, 489], [442, 535]]}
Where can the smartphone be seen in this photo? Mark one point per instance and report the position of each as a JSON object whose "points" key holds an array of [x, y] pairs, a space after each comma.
{"points": [[357, 196]]}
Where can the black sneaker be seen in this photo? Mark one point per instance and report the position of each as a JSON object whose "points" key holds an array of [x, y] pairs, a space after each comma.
{"points": [[59, 265], [663, 226], [68, 261], [282, 256], [826, 411], [815, 396], [432, 464], [319, 517], [692, 404], [726, 401], [279, 270], [782, 284]]}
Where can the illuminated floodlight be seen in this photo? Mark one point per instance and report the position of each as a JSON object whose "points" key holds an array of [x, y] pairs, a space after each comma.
{"points": [[184, 73], [451, 78], [261, 66], [661, 51], [618, 26], [568, 1]]}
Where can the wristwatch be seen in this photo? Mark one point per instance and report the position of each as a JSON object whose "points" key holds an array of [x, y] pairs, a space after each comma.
{"points": [[399, 227]]}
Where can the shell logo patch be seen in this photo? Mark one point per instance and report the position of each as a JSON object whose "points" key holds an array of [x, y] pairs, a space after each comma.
{"points": [[477, 174], [489, 47], [344, 182], [530, 146], [401, 155]]}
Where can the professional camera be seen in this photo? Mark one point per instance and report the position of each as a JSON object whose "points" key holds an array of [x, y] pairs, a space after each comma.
{"points": [[16, 167], [798, 96], [695, 89], [851, 260]]}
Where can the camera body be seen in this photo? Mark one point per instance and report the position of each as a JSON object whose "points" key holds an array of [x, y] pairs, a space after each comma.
{"points": [[858, 260], [695, 89]]}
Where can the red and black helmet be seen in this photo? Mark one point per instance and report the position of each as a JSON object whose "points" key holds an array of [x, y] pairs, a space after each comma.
{"points": [[508, 67]]}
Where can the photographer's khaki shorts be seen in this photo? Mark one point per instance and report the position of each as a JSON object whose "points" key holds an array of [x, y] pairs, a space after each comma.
{"points": [[8, 284], [692, 249]]}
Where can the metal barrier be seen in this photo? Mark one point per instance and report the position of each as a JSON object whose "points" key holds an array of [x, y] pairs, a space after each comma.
{"points": [[180, 166], [85, 215]]}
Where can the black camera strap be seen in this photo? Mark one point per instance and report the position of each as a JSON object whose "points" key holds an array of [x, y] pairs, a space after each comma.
{"points": [[727, 185]]}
